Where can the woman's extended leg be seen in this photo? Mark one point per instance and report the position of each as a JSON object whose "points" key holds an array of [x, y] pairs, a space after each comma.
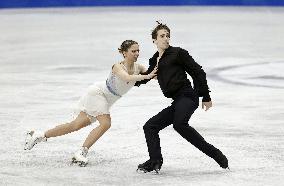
{"points": [[34, 137], [81, 121]]}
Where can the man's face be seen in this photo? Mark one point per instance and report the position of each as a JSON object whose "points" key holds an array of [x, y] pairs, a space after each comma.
{"points": [[163, 39], [132, 53]]}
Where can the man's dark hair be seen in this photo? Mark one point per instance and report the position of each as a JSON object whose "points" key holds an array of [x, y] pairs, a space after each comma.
{"points": [[160, 26]]}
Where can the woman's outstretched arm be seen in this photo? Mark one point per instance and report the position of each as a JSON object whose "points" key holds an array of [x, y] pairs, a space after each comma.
{"points": [[121, 73]]}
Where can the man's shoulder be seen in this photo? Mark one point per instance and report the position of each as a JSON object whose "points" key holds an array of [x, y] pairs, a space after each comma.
{"points": [[177, 49], [174, 48]]}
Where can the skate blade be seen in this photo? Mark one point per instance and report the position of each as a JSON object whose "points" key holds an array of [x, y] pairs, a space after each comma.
{"points": [[79, 163], [140, 170], [155, 171]]}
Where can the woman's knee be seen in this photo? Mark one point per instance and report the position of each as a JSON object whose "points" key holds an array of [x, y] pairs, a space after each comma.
{"points": [[105, 121], [105, 125]]}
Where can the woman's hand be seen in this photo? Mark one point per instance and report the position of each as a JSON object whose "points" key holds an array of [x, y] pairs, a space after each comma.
{"points": [[153, 73]]}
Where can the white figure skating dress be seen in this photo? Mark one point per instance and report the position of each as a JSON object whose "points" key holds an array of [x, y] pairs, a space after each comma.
{"points": [[101, 96]]}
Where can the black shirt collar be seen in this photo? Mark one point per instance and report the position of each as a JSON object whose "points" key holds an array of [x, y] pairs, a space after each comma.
{"points": [[156, 55]]}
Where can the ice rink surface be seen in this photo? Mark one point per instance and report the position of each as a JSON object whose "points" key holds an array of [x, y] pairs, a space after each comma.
{"points": [[49, 57]]}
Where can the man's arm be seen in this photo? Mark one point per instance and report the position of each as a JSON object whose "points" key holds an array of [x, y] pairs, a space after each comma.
{"points": [[197, 73]]}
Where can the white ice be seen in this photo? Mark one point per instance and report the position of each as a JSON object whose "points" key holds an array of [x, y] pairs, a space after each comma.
{"points": [[48, 58]]}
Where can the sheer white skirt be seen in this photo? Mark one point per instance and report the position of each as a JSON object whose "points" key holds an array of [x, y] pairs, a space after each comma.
{"points": [[97, 101]]}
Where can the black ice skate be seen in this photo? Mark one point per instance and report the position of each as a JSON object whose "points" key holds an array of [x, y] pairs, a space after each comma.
{"points": [[150, 165]]}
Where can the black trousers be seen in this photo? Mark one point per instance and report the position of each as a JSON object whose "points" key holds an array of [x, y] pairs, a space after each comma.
{"points": [[184, 104]]}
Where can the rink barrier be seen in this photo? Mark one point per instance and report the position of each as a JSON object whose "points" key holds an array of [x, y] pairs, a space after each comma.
{"points": [[76, 3]]}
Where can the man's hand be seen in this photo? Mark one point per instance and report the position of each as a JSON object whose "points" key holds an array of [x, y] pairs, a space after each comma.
{"points": [[206, 105]]}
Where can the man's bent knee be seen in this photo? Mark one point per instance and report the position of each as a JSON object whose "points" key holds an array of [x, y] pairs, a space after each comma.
{"points": [[147, 126], [150, 129]]}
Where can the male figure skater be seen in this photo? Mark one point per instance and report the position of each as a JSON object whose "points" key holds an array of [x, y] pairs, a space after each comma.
{"points": [[173, 63]]}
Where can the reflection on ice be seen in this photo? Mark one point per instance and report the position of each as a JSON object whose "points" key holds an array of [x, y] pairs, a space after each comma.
{"points": [[262, 74]]}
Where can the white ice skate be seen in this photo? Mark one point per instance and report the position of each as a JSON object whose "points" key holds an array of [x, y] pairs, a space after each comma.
{"points": [[80, 157], [32, 138]]}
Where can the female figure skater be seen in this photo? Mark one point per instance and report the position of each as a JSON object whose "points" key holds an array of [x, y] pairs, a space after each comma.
{"points": [[95, 104]]}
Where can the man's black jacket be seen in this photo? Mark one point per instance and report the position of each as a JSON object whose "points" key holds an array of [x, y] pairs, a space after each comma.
{"points": [[171, 75]]}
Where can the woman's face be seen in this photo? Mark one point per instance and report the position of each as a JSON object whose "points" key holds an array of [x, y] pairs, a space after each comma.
{"points": [[132, 53]]}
